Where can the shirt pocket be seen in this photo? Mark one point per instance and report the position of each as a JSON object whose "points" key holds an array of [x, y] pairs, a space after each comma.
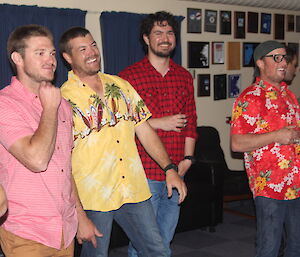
{"points": [[179, 99]]}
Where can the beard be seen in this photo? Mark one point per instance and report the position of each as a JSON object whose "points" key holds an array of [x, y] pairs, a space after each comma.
{"points": [[39, 77], [163, 54]]}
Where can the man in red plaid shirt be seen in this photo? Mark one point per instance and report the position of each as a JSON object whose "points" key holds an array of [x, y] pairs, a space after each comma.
{"points": [[168, 91]]}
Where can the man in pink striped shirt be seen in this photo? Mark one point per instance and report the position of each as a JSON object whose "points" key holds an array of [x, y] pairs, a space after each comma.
{"points": [[35, 150]]}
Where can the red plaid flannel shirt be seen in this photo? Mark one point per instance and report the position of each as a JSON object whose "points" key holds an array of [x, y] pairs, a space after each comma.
{"points": [[168, 95]]}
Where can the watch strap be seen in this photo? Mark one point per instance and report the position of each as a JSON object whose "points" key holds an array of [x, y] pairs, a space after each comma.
{"points": [[191, 158], [170, 166]]}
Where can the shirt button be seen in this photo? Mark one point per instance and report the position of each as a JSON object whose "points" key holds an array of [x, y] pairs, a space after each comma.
{"points": [[118, 141], [58, 148], [121, 159], [62, 170], [123, 176]]}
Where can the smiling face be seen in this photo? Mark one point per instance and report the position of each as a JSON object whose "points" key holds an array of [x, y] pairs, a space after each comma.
{"points": [[161, 40], [291, 70], [84, 57], [38, 62], [270, 70]]}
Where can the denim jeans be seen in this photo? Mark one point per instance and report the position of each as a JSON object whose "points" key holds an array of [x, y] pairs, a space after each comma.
{"points": [[138, 222], [271, 217], [166, 211]]}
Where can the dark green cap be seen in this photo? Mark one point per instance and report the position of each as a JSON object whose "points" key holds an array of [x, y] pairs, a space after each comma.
{"points": [[264, 48]]}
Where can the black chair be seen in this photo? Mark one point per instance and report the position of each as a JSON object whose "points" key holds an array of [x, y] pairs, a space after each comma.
{"points": [[235, 182]]}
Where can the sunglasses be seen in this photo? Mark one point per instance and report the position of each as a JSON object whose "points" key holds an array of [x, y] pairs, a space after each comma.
{"points": [[276, 57]]}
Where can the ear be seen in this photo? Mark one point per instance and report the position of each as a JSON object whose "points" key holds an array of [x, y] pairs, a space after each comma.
{"points": [[146, 39], [16, 58], [67, 57], [260, 64]]}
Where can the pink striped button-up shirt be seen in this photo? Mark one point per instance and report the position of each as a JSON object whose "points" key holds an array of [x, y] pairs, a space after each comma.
{"points": [[41, 205]]}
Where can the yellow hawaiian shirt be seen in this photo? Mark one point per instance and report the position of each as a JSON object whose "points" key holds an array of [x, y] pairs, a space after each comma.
{"points": [[106, 165]]}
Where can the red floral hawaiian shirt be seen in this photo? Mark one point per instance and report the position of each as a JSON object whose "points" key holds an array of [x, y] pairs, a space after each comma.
{"points": [[273, 170]]}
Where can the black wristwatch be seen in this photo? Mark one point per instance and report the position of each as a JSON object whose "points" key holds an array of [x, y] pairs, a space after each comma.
{"points": [[191, 158], [170, 166]]}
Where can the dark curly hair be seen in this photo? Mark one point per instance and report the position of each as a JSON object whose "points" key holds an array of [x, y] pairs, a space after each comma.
{"points": [[159, 17]]}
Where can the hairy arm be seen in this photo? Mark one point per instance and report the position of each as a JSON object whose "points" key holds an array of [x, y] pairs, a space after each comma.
{"points": [[189, 148]]}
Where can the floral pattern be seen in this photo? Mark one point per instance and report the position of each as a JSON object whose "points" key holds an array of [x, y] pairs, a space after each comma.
{"points": [[273, 169]]}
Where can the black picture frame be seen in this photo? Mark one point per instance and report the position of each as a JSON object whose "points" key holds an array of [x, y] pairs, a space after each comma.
{"points": [[220, 86], [252, 22], [203, 85], [194, 20], [234, 85], [279, 26], [198, 54], [297, 23], [248, 49], [225, 22], [266, 22], [290, 20], [239, 24], [210, 24]]}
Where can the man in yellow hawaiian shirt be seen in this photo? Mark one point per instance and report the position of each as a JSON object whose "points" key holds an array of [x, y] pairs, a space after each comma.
{"points": [[265, 125], [111, 182]]}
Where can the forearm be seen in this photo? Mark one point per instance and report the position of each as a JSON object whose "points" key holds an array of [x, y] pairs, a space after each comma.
{"points": [[78, 205], [35, 151], [155, 123], [3, 201], [251, 142], [189, 146]]}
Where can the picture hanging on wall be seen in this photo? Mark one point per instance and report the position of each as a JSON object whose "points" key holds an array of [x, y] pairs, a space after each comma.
{"points": [[194, 21], [290, 23], [234, 85], [220, 87], [198, 54], [225, 22], [248, 49], [252, 22], [279, 26], [297, 23], [239, 24], [233, 55], [203, 85], [210, 21], [266, 21], [217, 52]]}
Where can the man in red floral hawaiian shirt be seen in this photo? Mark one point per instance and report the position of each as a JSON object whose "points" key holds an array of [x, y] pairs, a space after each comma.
{"points": [[265, 126]]}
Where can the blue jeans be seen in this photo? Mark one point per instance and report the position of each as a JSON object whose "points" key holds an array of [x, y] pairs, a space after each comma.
{"points": [[137, 220], [271, 217], [166, 211]]}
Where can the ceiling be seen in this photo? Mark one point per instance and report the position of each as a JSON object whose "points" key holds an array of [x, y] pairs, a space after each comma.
{"points": [[276, 4]]}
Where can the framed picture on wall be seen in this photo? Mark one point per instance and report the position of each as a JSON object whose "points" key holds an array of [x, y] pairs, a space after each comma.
{"points": [[220, 87], [239, 24], [279, 26], [225, 22], [217, 52], [266, 21], [294, 46], [234, 85], [248, 50], [210, 21], [203, 85], [233, 55], [290, 23], [297, 23], [252, 22], [198, 54], [194, 21]]}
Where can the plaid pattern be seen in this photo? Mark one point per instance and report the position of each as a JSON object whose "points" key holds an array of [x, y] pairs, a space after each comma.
{"points": [[164, 96]]}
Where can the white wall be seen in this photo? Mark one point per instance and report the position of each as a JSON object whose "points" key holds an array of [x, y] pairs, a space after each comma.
{"points": [[209, 112]]}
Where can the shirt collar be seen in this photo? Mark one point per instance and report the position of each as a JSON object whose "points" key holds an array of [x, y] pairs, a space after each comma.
{"points": [[268, 86], [19, 88], [146, 63]]}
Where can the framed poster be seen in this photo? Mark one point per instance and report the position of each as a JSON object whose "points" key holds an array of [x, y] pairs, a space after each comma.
{"points": [[220, 86], [234, 85], [210, 21], [203, 85], [279, 26], [239, 24], [194, 20], [252, 22], [233, 56], [198, 54], [290, 23], [265, 25], [294, 46], [217, 52], [225, 22], [297, 23], [248, 49]]}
